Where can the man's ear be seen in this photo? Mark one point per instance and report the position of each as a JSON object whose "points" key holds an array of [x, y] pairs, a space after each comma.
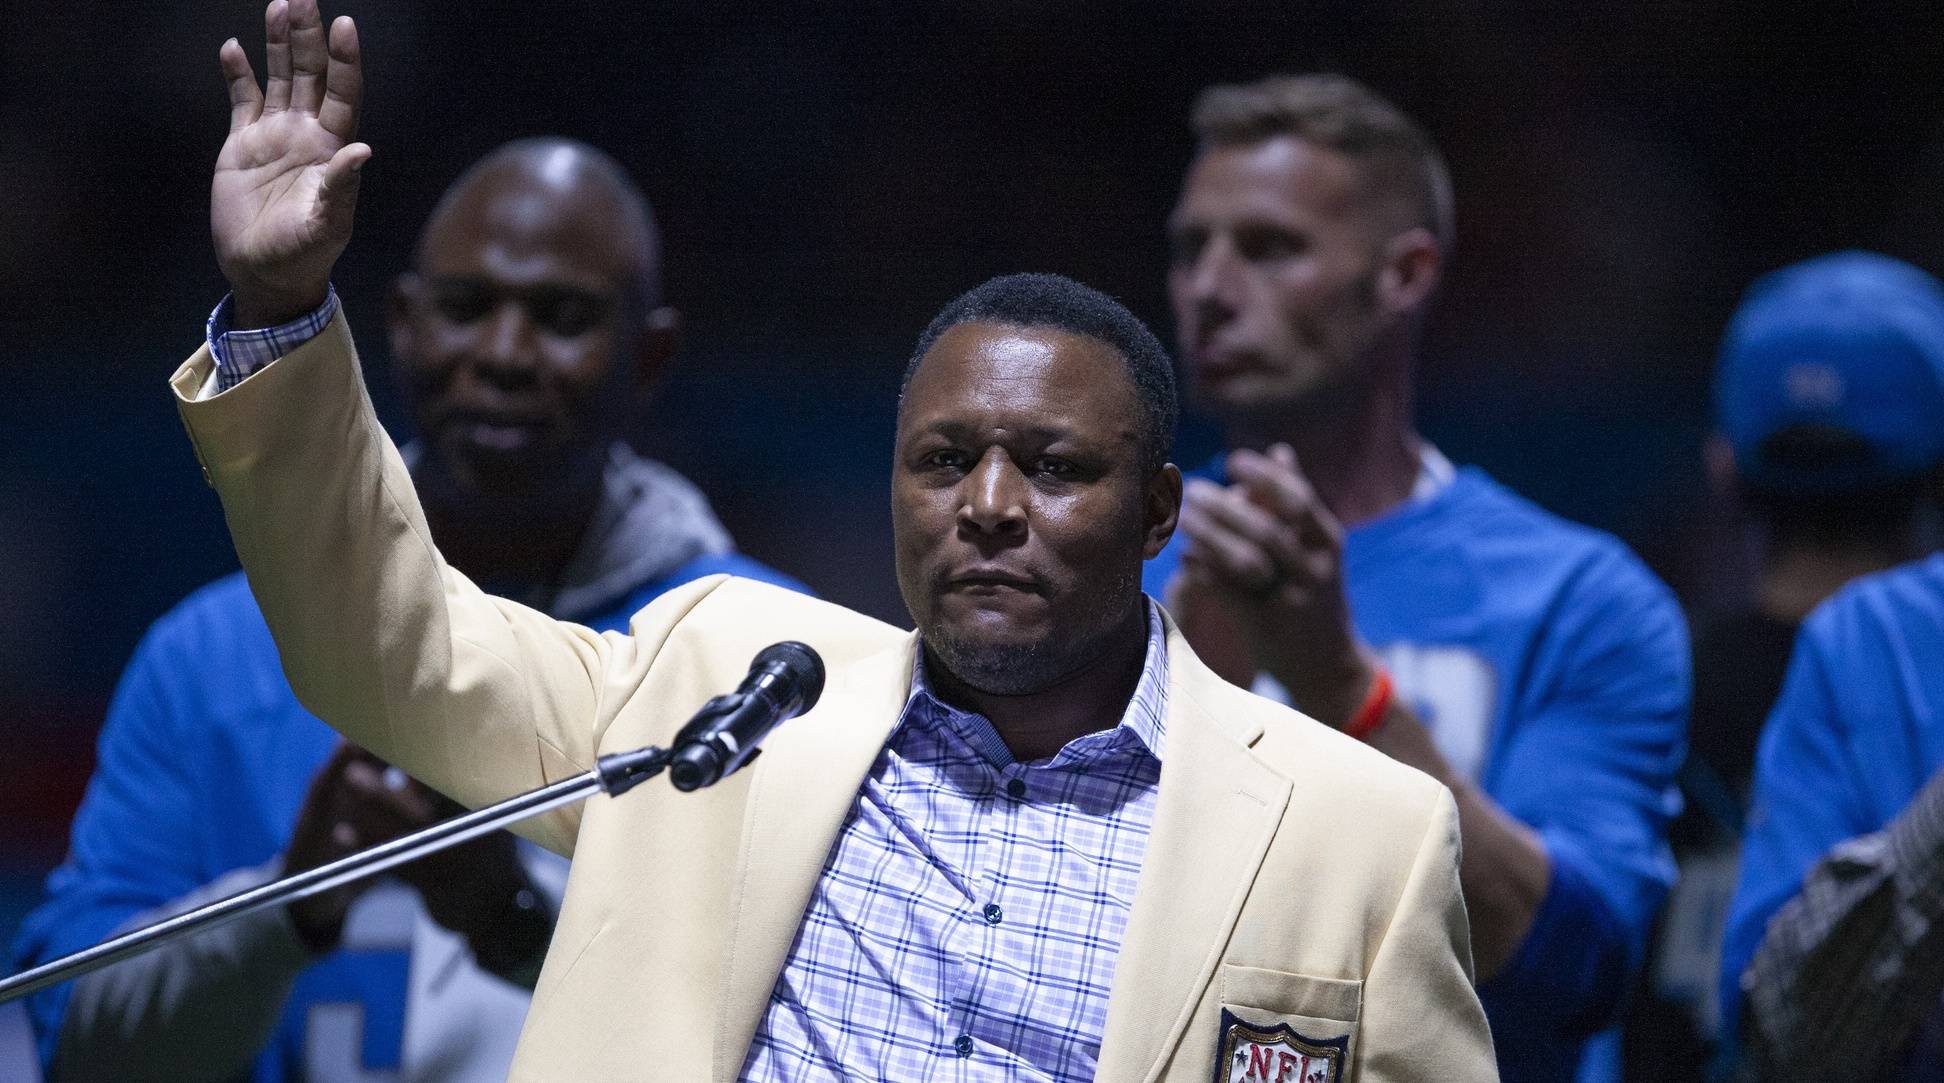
{"points": [[1163, 509], [1719, 456], [661, 337], [1412, 264]]}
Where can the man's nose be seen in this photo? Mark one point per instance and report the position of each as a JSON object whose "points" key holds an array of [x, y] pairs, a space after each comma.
{"points": [[505, 347], [1212, 280], [994, 502]]}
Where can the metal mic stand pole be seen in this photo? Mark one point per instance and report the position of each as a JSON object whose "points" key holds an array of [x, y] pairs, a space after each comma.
{"points": [[615, 774]]}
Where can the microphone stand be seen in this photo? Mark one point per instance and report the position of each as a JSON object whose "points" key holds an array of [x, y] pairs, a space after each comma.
{"points": [[614, 774]]}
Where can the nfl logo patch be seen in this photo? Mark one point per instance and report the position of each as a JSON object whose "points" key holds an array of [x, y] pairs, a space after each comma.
{"points": [[1278, 1054]]}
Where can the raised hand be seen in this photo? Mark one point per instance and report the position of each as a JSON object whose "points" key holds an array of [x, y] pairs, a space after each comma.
{"points": [[286, 182]]}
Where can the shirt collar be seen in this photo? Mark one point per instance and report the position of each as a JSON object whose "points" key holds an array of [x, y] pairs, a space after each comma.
{"points": [[1435, 473], [1144, 722]]}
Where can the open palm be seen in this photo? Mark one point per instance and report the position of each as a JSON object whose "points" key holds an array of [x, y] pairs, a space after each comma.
{"points": [[280, 207]]}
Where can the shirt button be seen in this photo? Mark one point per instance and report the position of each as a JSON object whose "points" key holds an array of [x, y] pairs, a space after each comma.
{"points": [[963, 1043], [993, 914], [1017, 787]]}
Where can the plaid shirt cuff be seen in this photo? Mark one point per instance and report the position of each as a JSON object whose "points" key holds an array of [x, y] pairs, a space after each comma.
{"points": [[1853, 960], [239, 354]]}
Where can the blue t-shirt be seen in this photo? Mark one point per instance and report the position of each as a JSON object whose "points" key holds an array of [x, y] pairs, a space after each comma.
{"points": [[1858, 731], [205, 758], [1551, 667]]}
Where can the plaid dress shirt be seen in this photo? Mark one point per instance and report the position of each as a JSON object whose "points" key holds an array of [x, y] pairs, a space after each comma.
{"points": [[970, 913]]}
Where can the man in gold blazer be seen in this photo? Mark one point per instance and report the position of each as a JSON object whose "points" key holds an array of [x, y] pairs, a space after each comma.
{"points": [[1037, 839]]}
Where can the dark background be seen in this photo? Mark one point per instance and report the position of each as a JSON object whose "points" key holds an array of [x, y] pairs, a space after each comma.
{"points": [[829, 175]]}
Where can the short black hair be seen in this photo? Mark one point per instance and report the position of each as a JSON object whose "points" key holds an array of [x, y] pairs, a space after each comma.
{"points": [[1346, 116], [1827, 505], [1056, 301]]}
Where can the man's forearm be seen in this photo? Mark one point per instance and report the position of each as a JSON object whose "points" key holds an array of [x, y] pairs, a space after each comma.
{"points": [[378, 637], [196, 1010], [1857, 956], [1504, 868]]}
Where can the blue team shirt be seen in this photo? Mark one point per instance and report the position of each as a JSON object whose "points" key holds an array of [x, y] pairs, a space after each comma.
{"points": [[205, 758], [1550, 666], [1858, 730]]}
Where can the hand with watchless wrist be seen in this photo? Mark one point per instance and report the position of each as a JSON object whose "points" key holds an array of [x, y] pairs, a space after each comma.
{"points": [[1263, 574], [323, 833], [357, 801], [286, 183]]}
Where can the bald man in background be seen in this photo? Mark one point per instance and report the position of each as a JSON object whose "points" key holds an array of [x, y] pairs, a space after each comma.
{"points": [[527, 337]]}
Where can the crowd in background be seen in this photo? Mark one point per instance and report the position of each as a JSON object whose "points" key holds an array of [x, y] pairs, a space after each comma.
{"points": [[1696, 844]]}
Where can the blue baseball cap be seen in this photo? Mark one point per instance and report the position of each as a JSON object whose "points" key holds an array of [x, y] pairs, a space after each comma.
{"points": [[1848, 346]]}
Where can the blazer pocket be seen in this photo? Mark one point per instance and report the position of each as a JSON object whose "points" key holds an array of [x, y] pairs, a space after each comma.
{"points": [[1280, 1027], [1284, 993]]}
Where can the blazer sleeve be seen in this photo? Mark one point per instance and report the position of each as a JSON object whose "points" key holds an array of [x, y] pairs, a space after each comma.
{"points": [[479, 697], [1421, 1018]]}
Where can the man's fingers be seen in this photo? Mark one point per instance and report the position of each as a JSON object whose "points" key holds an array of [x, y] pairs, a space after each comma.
{"points": [[330, 775], [1320, 514], [344, 88], [246, 99], [1225, 555], [337, 195], [320, 798], [1276, 482], [1197, 576], [308, 58], [276, 56], [1231, 511], [380, 808]]}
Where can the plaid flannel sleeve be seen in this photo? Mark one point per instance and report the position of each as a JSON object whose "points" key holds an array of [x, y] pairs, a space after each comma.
{"points": [[239, 354], [1855, 961]]}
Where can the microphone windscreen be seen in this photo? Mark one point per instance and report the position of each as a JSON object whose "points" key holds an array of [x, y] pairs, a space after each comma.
{"points": [[803, 664]]}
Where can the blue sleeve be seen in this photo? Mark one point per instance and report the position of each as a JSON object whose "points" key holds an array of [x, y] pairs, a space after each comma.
{"points": [[727, 564], [616, 618], [132, 836], [737, 564], [1806, 801], [1591, 767]]}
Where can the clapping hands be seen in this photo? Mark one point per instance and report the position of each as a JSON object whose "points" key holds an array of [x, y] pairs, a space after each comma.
{"points": [[1261, 585]]}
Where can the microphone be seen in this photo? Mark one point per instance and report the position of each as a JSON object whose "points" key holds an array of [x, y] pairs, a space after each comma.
{"points": [[784, 681]]}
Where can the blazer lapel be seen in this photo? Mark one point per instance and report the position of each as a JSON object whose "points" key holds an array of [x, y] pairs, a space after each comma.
{"points": [[1218, 808], [805, 781]]}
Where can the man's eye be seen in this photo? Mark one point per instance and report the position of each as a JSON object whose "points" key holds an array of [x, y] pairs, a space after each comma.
{"points": [[1269, 244], [568, 317], [947, 460], [461, 306], [1053, 466]]}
